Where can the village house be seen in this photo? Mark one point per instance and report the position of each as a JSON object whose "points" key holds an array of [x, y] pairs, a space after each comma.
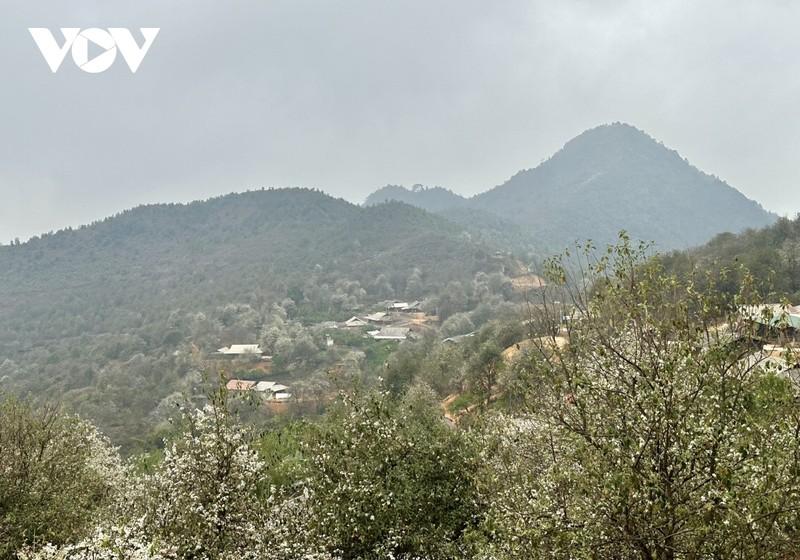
{"points": [[379, 317], [352, 323], [392, 333], [272, 390], [240, 385], [241, 350], [264, 386], [774, 320]]}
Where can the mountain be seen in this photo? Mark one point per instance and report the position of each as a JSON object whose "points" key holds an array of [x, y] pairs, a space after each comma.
{"points": [[610, 178], [616, 177], [110, 317], [229, 247]]}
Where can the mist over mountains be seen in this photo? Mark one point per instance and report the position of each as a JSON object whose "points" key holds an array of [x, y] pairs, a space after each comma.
{"points": [[607, 179]]}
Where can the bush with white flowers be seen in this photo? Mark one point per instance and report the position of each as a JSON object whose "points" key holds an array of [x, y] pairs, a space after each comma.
{"points": [[389, 479]]}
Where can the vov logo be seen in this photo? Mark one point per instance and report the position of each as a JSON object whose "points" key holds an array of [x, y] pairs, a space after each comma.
{"points": [[116, 38]]}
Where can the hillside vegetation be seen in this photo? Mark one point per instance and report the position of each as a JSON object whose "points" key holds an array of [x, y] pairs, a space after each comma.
{"points": [[115, 317], [113, 274], [770, 254]]}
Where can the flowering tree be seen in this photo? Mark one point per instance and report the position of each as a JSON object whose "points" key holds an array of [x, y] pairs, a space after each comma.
{"points": [[655, 432], [209, 498], [204, 498], [390, 479]]}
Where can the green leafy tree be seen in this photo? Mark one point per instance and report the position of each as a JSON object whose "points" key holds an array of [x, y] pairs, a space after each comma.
{"points": [[483, 370], [457, 324], [56, 473]]}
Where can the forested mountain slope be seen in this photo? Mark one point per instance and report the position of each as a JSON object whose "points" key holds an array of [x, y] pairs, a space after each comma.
{"points": [[771, 255], [108, 317], [112, 274]]}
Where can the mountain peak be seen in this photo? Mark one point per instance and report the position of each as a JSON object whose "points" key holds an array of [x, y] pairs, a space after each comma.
{"points": [[609, 178], [614, 177], [613, 144]]}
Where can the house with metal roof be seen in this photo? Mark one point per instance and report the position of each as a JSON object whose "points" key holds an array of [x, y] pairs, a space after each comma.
{"points": [[379, 317], [392, 333], [264, 386], [353, 322], [241, 350], [774, 319]]}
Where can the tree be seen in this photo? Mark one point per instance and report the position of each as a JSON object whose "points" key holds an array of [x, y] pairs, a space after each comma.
{"points": [[459, 323], [415, 285], [205, 499], [56, 473], [388, 479], [483, 369], [654, 433]]}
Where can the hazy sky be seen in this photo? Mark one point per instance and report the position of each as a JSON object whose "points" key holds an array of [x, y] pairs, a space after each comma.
{"points": [[348, 96]]}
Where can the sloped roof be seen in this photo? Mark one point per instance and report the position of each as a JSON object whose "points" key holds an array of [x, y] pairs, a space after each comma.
{"points": [[379, 316], [238, 349], [264, 385], [392, 333], [458, 338], [240, 385], [787, 320], [770, 313]]}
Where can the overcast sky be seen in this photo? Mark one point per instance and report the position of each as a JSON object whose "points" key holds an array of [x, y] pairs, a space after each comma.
{"points": [[348, 96]]}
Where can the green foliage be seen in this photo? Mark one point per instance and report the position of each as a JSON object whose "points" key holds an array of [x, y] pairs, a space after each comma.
{"points": [[771, 255], [201, 500], [645, 426], [377, 353], [210, 497], [282, 453], [653, 432], [379, 477], [437, 364], [483, 369], [462, 402]]}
